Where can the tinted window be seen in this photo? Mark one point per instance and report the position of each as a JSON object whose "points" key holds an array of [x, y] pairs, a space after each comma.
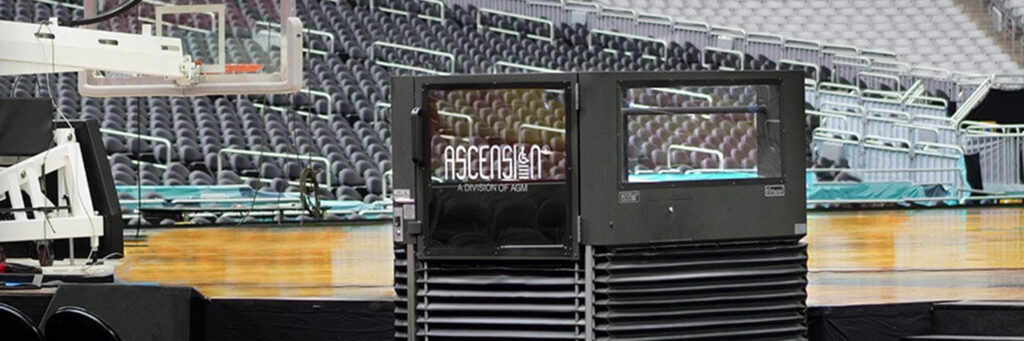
{"points": [[499, 170], [700, 133]]}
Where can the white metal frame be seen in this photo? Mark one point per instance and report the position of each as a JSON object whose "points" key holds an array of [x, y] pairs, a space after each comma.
{"points": [[77, 220]]}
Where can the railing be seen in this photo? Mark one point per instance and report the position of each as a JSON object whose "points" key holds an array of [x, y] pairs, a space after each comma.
{"points": [[662, 42], [378, 112], [330, 99], [706, 97], [874, 79], [142, 137], [459, 116], [284, 110], [521, 66], [769, 45], [62, 4], [326, 162], [526, 127], [386, 191], [330, 36], [173, 25], [738, 54], [683, 147], [439, 3], [815, 67], [976, 97], [450, 57], [551, 26], [441, 10]]}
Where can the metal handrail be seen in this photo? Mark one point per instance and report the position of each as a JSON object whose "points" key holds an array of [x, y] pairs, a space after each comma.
{"points": [[663, 42], [720, 155], [817, 69], [729, 51], [904, 116], [551, 26], [410, 68], [915, 89], [877, 142], [706, 97], [142, 137], [440, 4], [62, 4], [838, 49], [522, 66], [727, 31], [376, 109], [330, 99], [985, 129], [327, 163], [460, 116], [892, 97], [883, 76], [826, 114], [524, 127], [959, 150], [184, 27], [976, 97], [949, 122], [834, 88], [449, 56], [837, 132], [384, 185], [285, 110], [328, 35], [913, 101], [830, 104]]}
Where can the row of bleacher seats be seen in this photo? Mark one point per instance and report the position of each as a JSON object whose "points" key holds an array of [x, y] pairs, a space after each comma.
{"points": [[923, 32]]}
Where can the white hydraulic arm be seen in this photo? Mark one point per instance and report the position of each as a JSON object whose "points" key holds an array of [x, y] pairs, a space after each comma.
{"points": [[30, 48]]}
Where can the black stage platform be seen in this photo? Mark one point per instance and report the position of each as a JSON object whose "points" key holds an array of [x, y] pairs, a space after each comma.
{"points": [[326, 319]]}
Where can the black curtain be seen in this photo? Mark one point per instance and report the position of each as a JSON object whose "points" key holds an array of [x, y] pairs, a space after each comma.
{"points": [[1000, 106]]}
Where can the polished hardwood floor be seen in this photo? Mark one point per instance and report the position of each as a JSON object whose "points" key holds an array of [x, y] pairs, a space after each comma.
{"points": [[856, 257], [916, 255]]}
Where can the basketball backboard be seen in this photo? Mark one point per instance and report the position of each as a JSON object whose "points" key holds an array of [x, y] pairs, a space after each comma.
{"points": [[228, 47]]}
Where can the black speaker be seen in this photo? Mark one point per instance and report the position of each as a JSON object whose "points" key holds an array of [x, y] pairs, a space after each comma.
{"points": [[135, 312]]}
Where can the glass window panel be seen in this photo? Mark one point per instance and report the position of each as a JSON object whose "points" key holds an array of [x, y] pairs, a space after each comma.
{"points": [[499, 172], [691, 133], [497, 135]]}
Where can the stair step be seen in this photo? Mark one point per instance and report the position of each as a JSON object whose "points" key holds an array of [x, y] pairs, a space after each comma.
{"points": [[963, 337]]}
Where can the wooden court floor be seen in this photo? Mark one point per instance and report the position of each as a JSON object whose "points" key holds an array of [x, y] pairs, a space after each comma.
{"points": [[855, 258]]}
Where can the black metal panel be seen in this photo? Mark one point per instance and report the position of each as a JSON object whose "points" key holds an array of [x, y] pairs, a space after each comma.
{"points": [[538, 300], [740, 291], [26, 127], [675, 211]]}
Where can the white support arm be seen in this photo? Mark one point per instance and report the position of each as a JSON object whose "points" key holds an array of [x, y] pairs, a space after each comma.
{"points": [[28, 48]]}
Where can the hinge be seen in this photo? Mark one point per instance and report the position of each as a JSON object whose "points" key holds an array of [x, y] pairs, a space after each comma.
{"points": [[576, 91], [579, 228]]}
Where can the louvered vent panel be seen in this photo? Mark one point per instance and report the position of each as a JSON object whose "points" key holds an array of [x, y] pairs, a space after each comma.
{"points": [[748, 291], [400, 293], [536, 300]]}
